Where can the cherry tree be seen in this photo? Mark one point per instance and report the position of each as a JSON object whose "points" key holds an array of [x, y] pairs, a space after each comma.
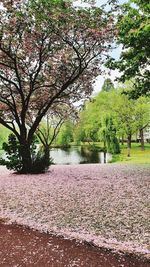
{"points": [[50, 54]]}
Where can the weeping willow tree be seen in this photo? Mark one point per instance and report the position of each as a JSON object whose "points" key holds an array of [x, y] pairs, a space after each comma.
{"points": [[108, 135]]}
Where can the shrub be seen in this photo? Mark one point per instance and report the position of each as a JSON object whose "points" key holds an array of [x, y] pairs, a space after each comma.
{"points": [[41, 162], [13, 159]]}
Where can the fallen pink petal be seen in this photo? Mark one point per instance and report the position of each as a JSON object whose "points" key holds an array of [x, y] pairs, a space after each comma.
{"points": [[107, 205]]}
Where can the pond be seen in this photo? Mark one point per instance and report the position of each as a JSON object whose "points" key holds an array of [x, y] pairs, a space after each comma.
{"points": [[78, 155], [75, 155]]}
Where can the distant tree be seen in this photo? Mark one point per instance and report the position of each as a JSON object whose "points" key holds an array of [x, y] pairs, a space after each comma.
{"points": [[108, 134], [124, 110], [131, 116], [66, 134], [51, 126], [79, 133], [47, 132], [88, 126], [117, 114], [142, 117], [108, 85]]}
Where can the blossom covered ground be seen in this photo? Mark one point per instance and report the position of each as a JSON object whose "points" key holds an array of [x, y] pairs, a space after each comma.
{"points": [[107, 205]]}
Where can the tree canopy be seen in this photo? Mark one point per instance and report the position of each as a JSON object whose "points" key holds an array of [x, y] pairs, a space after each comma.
{"points": [[50, 54], [134, 36], [107, 85]]}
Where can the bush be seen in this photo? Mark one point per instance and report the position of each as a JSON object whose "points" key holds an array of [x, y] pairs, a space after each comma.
{"points": [[13, 160], [41, 162]]}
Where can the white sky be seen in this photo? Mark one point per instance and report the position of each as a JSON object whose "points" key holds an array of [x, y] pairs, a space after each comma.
{"points": [[98, 2]]}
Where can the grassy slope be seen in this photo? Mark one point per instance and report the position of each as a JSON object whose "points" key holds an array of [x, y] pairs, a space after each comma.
{"points": [[137, 156]]}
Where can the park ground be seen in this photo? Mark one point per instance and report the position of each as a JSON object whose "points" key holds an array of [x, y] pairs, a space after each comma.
{"points": [[137, 155], [106, 206], [20, 246]]}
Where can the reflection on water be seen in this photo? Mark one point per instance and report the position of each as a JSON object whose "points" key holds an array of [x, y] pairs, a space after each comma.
{"points": [[78, 155]]}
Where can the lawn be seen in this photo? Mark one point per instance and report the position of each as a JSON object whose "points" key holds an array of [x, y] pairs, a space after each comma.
{"points": [[137, 156], [107, 205]]}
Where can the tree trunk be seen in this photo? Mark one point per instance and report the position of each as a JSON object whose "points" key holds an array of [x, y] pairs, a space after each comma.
{"points": [[129, 144], [122, 140], [26, 158], [47, 155], [142, 139], [105, 148], [105, 156]]}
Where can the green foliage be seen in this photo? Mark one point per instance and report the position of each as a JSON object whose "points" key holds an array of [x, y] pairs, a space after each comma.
{"points": [[124, 110], [4, 132], [66, 134], [14, 160], [142, 112], [111, 115], [108, 135], [92, 115], [41, 162], [12, 150], [45, 132], [108, 85], [134, 35], [79, 133]]}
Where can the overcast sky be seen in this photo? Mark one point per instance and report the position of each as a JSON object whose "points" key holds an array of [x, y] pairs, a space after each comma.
{"points": [[101, 2]]}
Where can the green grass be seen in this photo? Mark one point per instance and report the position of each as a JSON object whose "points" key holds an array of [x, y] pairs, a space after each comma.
{"points": [[137, 156]]}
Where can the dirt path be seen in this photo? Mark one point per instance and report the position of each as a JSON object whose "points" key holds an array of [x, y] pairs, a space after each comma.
{"points": [[22, 247]]}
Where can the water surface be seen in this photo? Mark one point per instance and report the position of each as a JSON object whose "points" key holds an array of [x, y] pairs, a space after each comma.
{"points": [[78, 155]]}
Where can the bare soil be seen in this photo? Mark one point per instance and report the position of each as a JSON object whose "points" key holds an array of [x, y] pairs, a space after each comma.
{"points": [[23, 247]]}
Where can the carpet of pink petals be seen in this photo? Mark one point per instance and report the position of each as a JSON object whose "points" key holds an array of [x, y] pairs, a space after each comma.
{"points": [[107, 205]]}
